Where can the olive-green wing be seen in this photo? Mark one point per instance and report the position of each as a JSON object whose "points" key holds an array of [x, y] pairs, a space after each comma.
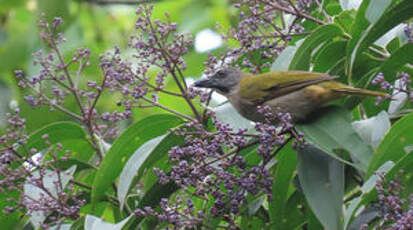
{"points": [[262, 87]]}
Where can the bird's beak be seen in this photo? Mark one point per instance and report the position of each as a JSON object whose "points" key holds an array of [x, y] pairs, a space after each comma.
{"points": [[205, 83]]}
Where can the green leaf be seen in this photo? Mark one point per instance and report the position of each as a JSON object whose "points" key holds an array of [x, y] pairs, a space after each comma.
{"points": [[329, 56], [396, 61], [367, 187], [369, 192], [125, 145], [392, 147], [95, 223], [144, 159], [376, 9], [283, 60], [373, 129], [388, 19], [10, 221], [49, 182], [365, 217], [153, 196], [287, 163], [134, 164], [226, 113], [57, 132], [322, 180], [301, 60], [345, 20], [350, 4], [393, 45], [330, 130], [294, 214]]}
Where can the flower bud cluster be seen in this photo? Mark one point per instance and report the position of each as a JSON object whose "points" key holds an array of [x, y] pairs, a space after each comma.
{"points": [[403, 86], [396, 212], [217, 164], [21, 167]]}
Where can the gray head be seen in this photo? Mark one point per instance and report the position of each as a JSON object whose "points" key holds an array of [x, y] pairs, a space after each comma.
{"points": [[224, 80]]}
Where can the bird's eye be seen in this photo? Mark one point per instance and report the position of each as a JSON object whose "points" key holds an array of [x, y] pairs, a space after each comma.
{"points": [[220, 74]]}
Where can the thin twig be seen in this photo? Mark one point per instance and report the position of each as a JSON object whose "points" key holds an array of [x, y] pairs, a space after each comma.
{"points": [[277, 6], [168, 109]]}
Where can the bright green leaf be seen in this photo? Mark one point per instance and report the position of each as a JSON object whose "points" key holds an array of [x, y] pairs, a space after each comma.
{"points": [[134, 164], [301, 60], [125, 145], [329, 56], [392, 146], [389, 19]]}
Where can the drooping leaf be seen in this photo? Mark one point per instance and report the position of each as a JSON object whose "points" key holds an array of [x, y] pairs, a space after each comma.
{"points": [[125, 145], [373, 129], [322, 180], [392, 147], [382, 22], [284, 174], [56, 132], [301, 60], [226, 113], [329, 55], [284, 59], [134, 164], [331, 129], [365, 217], [367, 187]]}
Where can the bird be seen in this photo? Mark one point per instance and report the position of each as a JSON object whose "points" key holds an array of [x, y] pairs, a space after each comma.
{"points": [[298, 93]]}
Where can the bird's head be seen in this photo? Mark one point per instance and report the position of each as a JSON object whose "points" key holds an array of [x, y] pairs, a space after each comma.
{"points": [[224, 80]]}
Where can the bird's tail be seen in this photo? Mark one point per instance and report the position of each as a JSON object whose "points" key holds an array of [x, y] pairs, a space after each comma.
{"points": [[362, 92]]}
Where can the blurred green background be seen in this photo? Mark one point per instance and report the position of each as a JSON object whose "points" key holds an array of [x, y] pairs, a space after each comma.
{"points": [[98, 25]]}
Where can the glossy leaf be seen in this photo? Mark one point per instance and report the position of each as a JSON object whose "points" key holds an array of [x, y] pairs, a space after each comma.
{"points": [[284, 174], [283, 60], [367, 187], [329, 55], [373, 129], [57, 132], [226, 113], [322, 180], [388, 19], [392, 147], [125, 145], [396, 61], [331, 129], [301, 60], [365, 217], [134, 164], [350, 4]]}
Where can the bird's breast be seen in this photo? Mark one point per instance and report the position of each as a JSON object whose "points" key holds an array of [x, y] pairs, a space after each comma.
{"points": [[298, 104]]}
